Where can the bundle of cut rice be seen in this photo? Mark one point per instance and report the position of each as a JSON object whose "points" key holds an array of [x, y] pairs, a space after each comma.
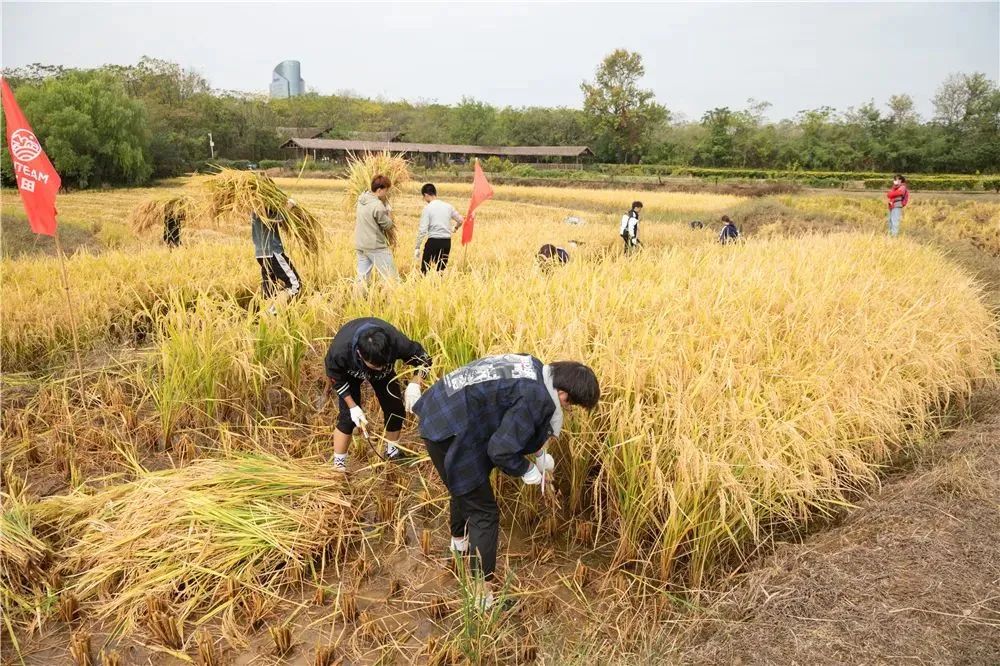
{"points": [[237, 195], [153, 213], [363, 169], [201, 537]]}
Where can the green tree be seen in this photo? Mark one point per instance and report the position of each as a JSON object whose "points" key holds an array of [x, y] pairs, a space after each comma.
{"points": [[92, 131], [622, 115], [473, 122]]}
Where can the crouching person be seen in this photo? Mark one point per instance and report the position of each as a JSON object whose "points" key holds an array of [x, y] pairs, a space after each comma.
{"points": [[367, 349], [492, 413]]}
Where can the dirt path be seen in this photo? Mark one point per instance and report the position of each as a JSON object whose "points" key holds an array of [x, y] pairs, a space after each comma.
{"points": [[912, 575]]}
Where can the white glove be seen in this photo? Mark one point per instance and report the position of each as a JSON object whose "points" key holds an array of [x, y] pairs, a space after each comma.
{"points": [[416, 254], [545, 462], [411, 395], [291, 203], [532, 477], [358, 416]]}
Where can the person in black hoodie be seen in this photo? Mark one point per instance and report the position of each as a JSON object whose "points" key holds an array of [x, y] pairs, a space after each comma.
{"points": [[492, 413], [367, 349], [729, 234]]}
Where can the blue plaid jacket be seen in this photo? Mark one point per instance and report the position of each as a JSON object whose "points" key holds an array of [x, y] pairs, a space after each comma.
{"points": [[497, 409]]}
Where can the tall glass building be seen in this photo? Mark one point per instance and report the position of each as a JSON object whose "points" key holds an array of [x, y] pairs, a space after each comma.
{"points": [[286, 80]]}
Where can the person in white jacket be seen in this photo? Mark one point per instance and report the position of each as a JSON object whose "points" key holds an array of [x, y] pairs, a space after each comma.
{"points": [[438, 222], [629, 230]]}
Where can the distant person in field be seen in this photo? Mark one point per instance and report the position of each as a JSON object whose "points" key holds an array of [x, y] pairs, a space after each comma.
{"points": [[438, 222], [373, 222], [367, 350], [899, 197], [629, 230], [492, 413], [276, 269], [172, 227], [729, 234], [697, 224], [550, 255]]}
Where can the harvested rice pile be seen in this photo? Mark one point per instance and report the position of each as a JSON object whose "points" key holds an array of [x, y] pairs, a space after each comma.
{"points": [[208, 538]]}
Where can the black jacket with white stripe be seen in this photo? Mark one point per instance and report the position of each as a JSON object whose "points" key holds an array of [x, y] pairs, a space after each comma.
{"points": [[343, 360]]}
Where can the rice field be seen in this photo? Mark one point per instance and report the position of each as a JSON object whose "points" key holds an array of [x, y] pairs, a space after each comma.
{"points": [[174, 501]]}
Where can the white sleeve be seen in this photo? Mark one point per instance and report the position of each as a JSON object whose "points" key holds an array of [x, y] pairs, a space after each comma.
{"points": [[425, 223], [455, 215], [625, 220]]}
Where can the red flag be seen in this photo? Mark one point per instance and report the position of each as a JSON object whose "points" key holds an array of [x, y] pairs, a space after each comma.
{"points": [[37, 180], [481, 191]]}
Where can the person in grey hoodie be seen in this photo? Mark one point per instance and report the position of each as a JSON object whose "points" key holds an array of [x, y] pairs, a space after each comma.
{"points": [[373, 222]]}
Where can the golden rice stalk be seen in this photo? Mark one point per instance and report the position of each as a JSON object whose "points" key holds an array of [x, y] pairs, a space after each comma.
{"points": [[112, 658], [325, 655], [79, 649], [152, 213], [282, 637], [23, 558], [348, 607], [236, 195], [208, 655], [166, 628], [69, 607], [361, 170], [425, 542]]}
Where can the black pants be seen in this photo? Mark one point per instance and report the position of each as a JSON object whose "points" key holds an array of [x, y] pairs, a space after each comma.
{"points": [[389, 399], [474, 511], [275, 268], [172, 232], [435, 250]]}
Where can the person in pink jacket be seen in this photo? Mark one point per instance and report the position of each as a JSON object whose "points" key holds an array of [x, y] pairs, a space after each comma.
{"points": [[898, 197]]}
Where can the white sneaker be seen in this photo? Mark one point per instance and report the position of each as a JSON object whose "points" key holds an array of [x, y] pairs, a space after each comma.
{"points": [[340, 465]]}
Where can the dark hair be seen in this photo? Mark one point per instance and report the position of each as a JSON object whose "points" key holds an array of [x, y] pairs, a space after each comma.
{"points": [[374, 347], [636, 204], [725, 218], [550, 252], [578, 381], [380, 182], [429, 189], [697, 224], [900, 177]]}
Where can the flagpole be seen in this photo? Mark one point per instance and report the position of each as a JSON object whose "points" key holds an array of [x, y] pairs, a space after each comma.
{"points": [[69, 304]]}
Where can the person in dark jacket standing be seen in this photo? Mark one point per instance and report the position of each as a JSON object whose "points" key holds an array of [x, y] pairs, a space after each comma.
{"points": [[729, 233], [275, 266], [492, 413], [367, 349], [629, 230]]}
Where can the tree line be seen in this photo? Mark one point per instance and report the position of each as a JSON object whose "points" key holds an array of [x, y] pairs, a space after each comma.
{"points": [[129, 124]]}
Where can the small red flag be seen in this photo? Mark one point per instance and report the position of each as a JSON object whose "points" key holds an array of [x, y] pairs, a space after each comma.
{"points": [[37, 180], [481, 191]]}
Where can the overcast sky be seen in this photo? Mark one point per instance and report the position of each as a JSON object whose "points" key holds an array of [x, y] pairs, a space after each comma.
{"points": [[697, 56]]}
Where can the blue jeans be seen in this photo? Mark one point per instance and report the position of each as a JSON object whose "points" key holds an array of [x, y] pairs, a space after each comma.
{"points": [[376, 260], [895, 217]]}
